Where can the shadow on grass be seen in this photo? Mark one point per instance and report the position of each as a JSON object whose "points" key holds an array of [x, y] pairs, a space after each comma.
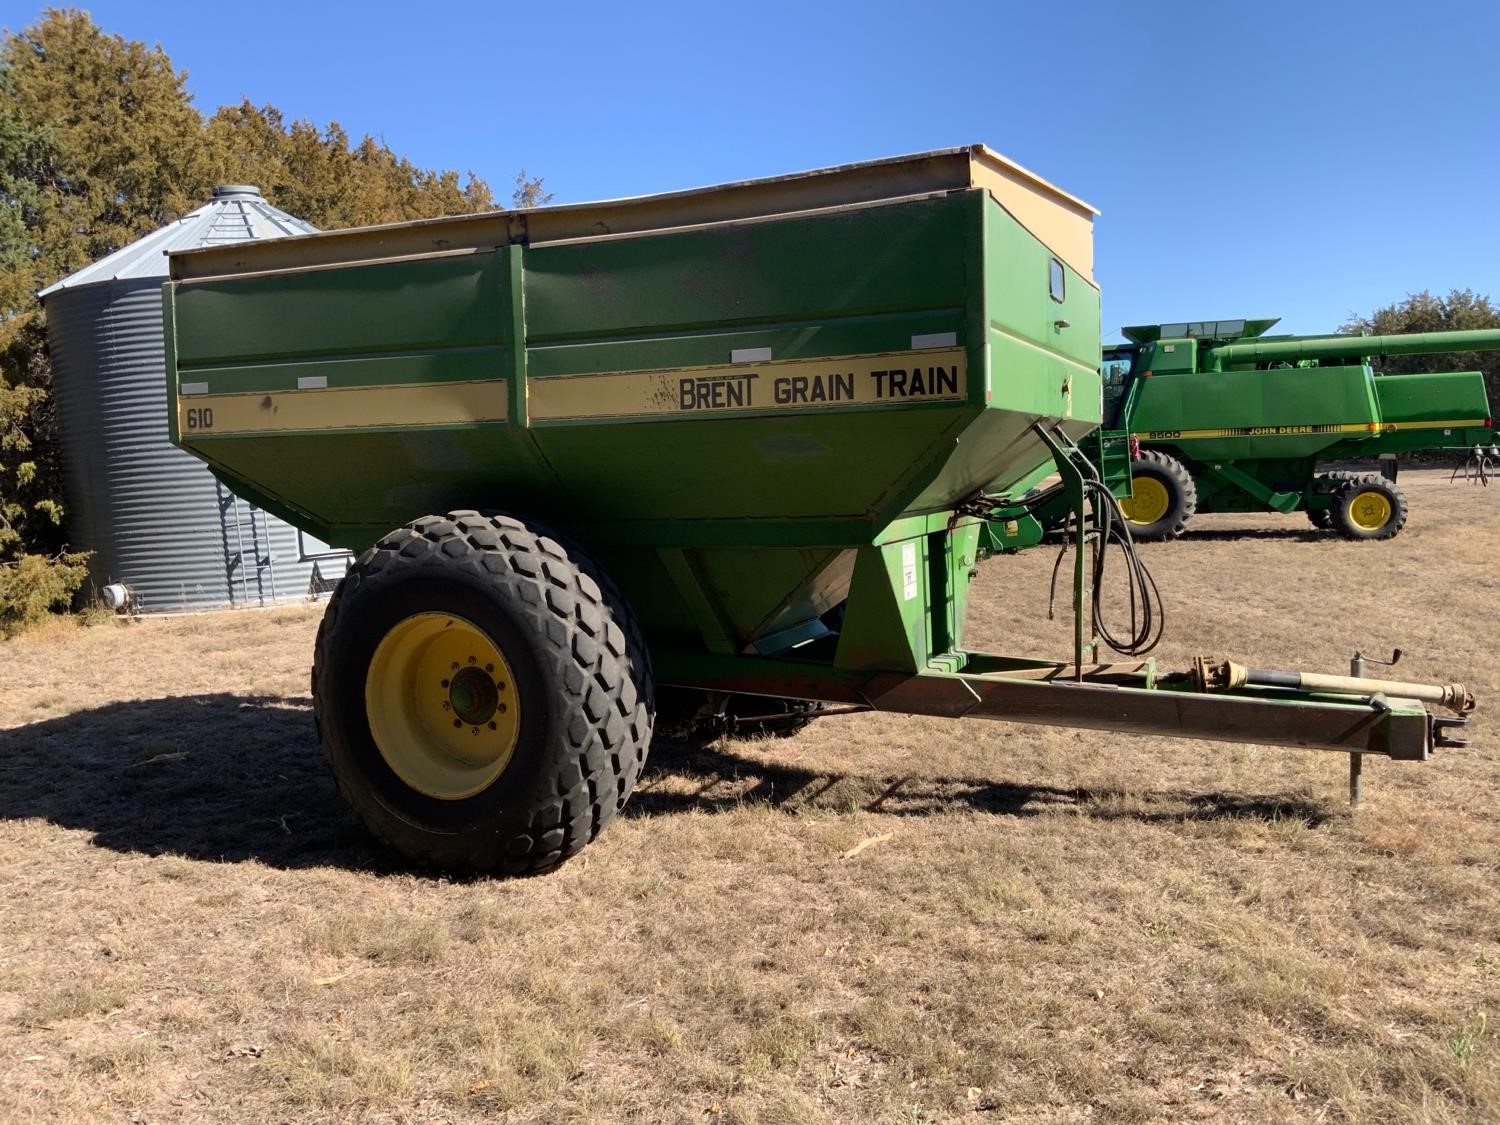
{"points": [[710, 778], [1261, 534], [214, 777], [234, 778]]}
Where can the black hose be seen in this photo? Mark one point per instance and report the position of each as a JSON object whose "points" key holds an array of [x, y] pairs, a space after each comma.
{"points": [[1146, 625], [1147, 615]]}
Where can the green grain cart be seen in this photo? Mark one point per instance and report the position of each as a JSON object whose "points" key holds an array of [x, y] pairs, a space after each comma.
{"points": [[727, 441], [1227, 419]]}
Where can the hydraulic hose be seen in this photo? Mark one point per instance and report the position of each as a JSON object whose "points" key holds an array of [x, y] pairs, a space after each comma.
{"points": [[1147, 616]]}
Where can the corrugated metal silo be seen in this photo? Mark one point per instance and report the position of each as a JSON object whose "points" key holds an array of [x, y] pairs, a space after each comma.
{"points": [[156, 518]]}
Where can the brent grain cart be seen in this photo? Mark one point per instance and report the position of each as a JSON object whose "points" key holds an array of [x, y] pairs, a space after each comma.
{"points": [[1227, 419], [730, 440]]}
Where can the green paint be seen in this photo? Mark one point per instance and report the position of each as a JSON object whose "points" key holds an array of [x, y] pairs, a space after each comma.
{"points": [[1252, 416], [725, 531]]}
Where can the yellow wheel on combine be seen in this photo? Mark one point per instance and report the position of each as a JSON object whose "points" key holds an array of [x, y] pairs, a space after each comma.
{"points": [[1369, 507], [1163, 496], [483, 693], [1149, 502]]}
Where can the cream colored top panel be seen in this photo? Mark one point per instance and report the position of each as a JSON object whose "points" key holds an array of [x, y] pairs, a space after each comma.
{"points": [[1063, 224], [1061, 221]]}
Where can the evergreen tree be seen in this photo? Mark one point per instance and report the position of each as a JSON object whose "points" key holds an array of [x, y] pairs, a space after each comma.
{"points": [[529, 191], [100, 144]]}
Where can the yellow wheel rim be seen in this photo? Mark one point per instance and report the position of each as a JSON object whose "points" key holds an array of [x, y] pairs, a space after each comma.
{"points": [[1370, 511], [1149, 501], [442, 705]]}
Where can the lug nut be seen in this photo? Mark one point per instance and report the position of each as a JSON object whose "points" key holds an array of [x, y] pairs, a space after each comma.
{"points": [[489, 668], [458, 722], [445, 683], [447, 706], [500, 707], [473, 660], [492, 726]]}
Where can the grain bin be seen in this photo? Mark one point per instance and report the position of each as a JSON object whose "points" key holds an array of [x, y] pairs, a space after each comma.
{"points": [[156, 519]]}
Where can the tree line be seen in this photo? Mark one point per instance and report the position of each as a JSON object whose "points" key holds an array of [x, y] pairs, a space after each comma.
{"points": [[1460, 310], [100, 144]]}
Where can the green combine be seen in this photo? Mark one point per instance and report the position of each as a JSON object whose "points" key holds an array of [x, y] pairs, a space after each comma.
{"points": [[729, 442], [1222, 418]]}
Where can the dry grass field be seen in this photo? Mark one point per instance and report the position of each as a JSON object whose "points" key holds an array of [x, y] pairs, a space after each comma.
{"points": [[882, 919]]}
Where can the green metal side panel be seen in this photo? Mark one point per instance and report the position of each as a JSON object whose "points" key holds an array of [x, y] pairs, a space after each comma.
{"points": [[1044, 358], [730, 418], [1039, 362], [1448, 397], [432, 304], [1448, 410], [1431, 411], [861, 281], [1286, 412]]}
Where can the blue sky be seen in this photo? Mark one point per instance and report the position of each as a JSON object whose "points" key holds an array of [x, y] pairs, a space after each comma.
{"points": [[1305, 160]]}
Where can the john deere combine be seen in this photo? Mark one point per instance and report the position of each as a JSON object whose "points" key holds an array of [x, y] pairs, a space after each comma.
{"points": [[1226, 419], [731, 441]]}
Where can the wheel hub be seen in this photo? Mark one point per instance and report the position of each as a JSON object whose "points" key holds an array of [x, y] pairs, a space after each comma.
{"points": [[474, 696], [1370, 511], [441, 704], [1149, 501]]}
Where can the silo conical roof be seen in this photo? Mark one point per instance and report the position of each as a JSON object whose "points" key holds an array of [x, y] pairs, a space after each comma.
{"points": [[236, 212]]}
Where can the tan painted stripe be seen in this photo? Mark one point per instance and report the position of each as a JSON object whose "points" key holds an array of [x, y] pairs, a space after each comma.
{"points": [[1304, 431], [1260, 431], [340, 408], [793, 386], [1453, 424]]}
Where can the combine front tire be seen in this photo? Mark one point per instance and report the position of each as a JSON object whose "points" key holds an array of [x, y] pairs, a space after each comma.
{"points": [[1322, 518], [1164, 499], [1369, 507], [482, 693]]}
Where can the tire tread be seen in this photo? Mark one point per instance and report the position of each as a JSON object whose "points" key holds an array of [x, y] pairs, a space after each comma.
{"points": [[566, 602]]}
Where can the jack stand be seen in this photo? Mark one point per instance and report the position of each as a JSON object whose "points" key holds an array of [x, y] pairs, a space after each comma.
{"points": [[1357, 761]]}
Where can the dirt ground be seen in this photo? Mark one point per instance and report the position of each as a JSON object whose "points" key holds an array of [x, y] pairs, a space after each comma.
{"points": [[889, 919]]}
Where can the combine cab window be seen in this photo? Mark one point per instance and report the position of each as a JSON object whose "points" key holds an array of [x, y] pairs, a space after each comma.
{"points": [[1057, 281], [1115, 370]]}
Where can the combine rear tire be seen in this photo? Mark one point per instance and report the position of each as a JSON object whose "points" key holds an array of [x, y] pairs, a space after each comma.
{"points": [[1165, 497], [1369, 507], [482, 693]]}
